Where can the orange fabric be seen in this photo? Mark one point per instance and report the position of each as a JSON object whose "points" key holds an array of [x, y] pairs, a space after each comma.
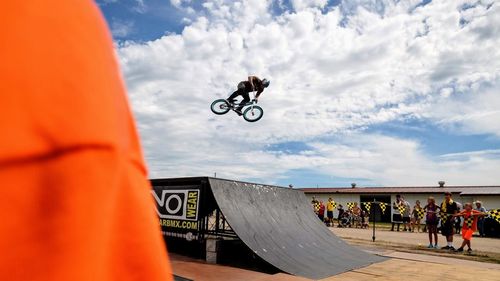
{"points": [[466, 215], [467, 233], [74, 199]]}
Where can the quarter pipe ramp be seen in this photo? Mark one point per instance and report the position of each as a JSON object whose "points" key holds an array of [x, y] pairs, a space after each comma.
{"points": [[279, 225]]}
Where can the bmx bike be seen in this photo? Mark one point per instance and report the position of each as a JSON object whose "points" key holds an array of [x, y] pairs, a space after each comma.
{"points": [[251, 111]]}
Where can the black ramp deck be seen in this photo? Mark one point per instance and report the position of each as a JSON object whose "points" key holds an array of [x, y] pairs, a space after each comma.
{"points": [[279, 225]]}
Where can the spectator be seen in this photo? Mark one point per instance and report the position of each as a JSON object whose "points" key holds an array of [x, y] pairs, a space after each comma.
{"points": [[314, 201], [329, 211], [340, 208], [321, 211], [396, 214], [431, 221], [480, 220], [448, 209], [356, 215], [458, 220], [470, 225], [417, 215], [364, 219], [406, 214]]}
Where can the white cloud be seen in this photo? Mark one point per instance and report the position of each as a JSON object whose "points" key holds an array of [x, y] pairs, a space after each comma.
{"points": [[140, 7], [121, 29], [470, 112], [333, 71], [304, 4]]}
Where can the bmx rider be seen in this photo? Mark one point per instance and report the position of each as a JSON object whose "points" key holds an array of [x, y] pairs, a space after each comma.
{"points": [[245, 88]]}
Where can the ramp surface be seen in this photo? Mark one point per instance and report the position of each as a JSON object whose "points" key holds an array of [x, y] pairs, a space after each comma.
{"points": [[279, 225]]}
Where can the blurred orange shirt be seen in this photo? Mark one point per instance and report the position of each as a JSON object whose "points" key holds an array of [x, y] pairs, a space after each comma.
{"points": [[74, 200]]}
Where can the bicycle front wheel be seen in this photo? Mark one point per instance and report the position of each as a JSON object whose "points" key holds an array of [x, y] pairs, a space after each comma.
{"points": [[220, 107], [253, 113]]}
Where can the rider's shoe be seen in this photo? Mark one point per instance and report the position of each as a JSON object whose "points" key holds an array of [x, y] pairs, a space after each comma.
{"points": [[238, 112]]}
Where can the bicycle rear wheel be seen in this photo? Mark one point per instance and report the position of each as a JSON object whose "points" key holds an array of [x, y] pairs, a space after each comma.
{"points": [[220, 106], [253, 113]]}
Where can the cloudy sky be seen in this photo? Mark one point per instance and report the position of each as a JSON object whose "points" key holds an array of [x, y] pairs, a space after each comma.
{"points": [[377, 92]]}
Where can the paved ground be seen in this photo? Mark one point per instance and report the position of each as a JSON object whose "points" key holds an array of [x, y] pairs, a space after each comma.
{"points": [[415, 239], [404, 269], [199, 270], [399, 266]]}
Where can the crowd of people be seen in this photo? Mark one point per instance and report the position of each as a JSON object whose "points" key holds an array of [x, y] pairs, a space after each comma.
{"points": [[353, 216], [448, 218]]}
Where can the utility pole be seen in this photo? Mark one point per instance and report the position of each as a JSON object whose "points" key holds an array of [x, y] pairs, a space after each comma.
{"points": [[373, 218]]}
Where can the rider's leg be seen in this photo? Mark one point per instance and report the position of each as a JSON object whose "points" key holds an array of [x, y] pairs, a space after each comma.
{"points": [[239, 91], [246, 98], [233, 96]]}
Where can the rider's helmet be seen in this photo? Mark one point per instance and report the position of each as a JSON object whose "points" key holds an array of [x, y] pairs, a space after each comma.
{"points": [[265, 83]]}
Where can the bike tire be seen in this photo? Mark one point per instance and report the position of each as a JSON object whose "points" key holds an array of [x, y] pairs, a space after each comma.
{"points": [[253, 113], [220, 107]]}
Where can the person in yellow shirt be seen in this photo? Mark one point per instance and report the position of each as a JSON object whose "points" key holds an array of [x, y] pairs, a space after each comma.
{"points": [[330, 207]]}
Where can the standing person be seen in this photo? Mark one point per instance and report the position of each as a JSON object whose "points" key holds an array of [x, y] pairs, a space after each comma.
{"points": [[470, 225], [341, 213], [397, 218], [431, 220], [321, 211], [417, 216], [448, 208], [458, 220], [406, 214], [356, 215], [364, 219], [480, 220], [330, 206]]}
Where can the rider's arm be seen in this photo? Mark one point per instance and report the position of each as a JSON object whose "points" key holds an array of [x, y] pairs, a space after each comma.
{"points": [[259, 91], [252, 80], [256, 85]]}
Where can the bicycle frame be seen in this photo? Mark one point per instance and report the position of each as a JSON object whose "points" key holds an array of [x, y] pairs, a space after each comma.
{"points": [[252, 102]]}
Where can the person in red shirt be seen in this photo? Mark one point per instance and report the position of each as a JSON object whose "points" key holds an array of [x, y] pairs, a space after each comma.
{"points": [[470, 225], [321, 211]]}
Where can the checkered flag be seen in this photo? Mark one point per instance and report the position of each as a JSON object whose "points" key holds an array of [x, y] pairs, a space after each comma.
{"points": [[367, 205], [350, 205], [468, 221], [495, 214], [383, 206], [316, 207], [334, 204], [420, 213], [401, 209], [444, 216]]}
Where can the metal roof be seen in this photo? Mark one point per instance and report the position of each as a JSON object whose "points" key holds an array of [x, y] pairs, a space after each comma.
{"points": [[482, 191], [462, 190]]}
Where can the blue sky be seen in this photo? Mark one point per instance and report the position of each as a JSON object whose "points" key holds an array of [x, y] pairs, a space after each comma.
{"points": [[377, 92], [146, 22]]}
